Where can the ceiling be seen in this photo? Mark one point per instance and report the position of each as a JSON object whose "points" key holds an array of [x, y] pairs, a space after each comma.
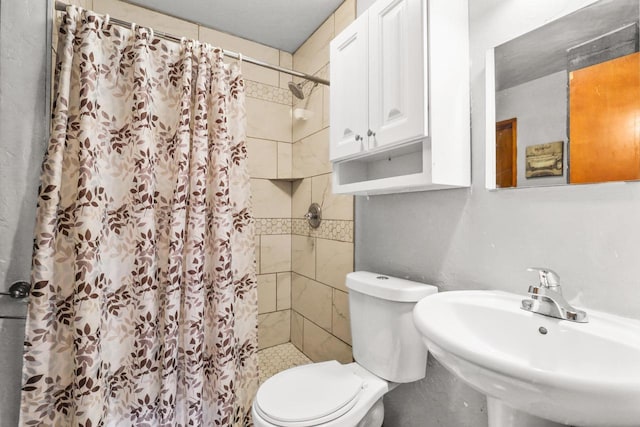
{"points": [[544, 51], [282, 24]]}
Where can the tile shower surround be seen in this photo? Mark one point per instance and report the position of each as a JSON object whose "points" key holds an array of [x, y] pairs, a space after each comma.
{"points": [[321, 257], [294, 262], [313, 294]]}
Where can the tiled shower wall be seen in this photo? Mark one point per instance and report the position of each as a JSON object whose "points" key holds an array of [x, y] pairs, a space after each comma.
{"points": [[302, 297], [320, 258]]}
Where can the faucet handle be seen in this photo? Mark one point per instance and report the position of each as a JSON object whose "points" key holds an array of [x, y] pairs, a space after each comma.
{"points": [[548, 278]]}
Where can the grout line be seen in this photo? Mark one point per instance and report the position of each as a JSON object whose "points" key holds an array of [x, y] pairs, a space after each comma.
{"points": [[277, 294], [307, 277], [305, 318], [302, 343], [275, 345], [333, 303], [309, 136], [308, 234], [269, 140], [321, 174], [315, 260], [278, 160], [259, 260], [274, 311]]}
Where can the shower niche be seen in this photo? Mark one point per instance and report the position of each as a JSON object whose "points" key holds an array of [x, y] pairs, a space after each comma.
{"points": [[400, 99]]}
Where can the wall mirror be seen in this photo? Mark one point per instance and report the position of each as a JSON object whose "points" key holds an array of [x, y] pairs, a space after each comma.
{"points": [[563, 101]]}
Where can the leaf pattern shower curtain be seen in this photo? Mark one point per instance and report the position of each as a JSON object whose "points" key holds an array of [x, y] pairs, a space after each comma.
{"points": [[144, 303]]}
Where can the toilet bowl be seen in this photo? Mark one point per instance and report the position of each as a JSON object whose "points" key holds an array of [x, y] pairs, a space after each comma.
{"points": [[320, 394], [387, 349]]}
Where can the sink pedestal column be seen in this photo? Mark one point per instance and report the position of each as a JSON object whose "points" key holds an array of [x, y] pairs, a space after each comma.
{"points": [[502, 415]]}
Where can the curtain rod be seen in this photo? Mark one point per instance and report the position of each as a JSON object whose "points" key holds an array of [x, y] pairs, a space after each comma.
{"points": [[60, 6]]}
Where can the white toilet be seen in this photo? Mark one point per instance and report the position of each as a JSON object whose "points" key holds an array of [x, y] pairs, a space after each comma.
{"points": [[387, 349]]}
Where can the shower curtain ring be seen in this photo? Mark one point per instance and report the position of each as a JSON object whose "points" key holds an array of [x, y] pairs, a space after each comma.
{"points": [[150, 33], [240, 57], [134, 26], [107, 18]]}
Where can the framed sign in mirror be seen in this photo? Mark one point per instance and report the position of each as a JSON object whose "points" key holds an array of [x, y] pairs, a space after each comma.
{"points": [[563, 101]]}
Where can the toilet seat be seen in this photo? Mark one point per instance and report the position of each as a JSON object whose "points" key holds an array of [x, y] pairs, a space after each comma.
{"points": [[309, 395]]}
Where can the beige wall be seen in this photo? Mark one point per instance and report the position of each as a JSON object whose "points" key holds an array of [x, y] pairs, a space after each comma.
{"points": [[301, 292], [320, 258]]}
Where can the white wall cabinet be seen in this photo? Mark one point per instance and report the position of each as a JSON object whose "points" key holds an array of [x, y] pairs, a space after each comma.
{"points": [[400, 98], [396, 77], [349, 116]]}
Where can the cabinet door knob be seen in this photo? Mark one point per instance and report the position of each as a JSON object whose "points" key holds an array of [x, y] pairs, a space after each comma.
{"points": [[359, 138], [371, 133]]}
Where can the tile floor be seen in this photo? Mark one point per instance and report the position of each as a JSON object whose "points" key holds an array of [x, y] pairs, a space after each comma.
{"points": [[278, 358]]}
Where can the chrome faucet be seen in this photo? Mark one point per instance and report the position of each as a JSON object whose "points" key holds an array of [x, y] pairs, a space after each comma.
{"points": [[547, 299]]}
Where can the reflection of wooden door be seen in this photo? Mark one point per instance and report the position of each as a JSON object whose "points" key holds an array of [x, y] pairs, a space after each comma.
{"points": [[604, 121], [506, 153]]}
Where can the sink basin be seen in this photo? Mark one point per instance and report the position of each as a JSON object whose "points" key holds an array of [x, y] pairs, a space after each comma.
{"points": [[535, 368]]}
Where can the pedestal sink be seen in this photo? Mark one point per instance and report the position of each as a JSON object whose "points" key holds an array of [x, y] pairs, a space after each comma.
{"points": [[536, 371]]}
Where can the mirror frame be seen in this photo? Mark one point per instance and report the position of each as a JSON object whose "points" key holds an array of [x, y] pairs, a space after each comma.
{"points": [[490, 117]]}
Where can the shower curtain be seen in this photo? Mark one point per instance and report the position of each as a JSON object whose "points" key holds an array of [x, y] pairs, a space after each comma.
{"points": [[143, 310]]}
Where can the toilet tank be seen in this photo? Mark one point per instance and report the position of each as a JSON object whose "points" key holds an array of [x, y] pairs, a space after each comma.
{"points": [[385, 340]]}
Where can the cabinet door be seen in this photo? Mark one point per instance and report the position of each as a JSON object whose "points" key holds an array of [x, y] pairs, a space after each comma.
{"points": [[349, 101], [396, 71]]}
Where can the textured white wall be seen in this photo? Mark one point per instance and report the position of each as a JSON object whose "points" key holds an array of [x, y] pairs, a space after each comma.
{"points": [[23, 76], [477, 239], [23, 124]]}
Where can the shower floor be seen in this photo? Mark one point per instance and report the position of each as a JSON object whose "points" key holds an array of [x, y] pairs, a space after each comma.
{"points": [[278, 358]]}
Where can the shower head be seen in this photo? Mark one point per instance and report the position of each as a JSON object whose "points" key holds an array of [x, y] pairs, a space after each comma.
{"points": [[296, 89]]}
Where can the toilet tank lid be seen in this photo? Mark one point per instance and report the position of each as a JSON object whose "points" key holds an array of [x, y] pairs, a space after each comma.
{"points": [[387, 287]]}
